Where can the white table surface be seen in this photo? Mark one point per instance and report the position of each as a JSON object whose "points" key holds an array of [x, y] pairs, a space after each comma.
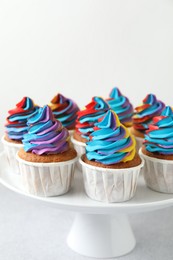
{"points": [[32, 231]]}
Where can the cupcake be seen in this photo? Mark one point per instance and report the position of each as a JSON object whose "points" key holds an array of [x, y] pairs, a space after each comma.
{"points": [[47, 161], [143, 116], [85, 122], [121, 106], [65, 110], [15, 128], [111, 164], [157, 151]]}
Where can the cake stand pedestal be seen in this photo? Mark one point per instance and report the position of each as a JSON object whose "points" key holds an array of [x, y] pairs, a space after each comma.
{"points": [[100, 230], [101, 236]]}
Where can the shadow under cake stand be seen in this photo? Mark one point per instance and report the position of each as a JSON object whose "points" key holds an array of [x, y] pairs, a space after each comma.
{"points": [[99, 229]]}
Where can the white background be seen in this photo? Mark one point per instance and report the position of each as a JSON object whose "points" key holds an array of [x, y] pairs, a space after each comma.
{"points": [[82, 48]]}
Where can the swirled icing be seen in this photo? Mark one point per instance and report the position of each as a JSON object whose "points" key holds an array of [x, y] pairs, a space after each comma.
{"points": [[121, 106], [159, 136], [144, 114], [46, 135], [65, 110], [16, 125], [90, 115], [111, 142]]}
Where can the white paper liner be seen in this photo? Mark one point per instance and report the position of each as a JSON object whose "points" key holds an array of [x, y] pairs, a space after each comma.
{"points": [[10, 152], [46, 179], [80, 148], [110, 185], [158, 174]]}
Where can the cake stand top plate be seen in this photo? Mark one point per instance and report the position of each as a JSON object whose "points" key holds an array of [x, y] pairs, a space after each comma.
{"points": [[76, 199]]}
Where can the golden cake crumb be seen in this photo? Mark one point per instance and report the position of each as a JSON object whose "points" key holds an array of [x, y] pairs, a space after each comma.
{"points": [[157, 155], [47, 158], [121, 165]]}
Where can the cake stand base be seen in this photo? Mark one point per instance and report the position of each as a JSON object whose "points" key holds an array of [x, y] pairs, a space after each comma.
{"points": [[101, 236]]}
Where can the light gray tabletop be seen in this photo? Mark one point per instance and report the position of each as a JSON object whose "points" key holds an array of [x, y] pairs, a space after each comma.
{"points": [[32, 231]]}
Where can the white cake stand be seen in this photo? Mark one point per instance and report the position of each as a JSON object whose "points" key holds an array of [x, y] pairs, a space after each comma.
{"points": [[99, 230]]}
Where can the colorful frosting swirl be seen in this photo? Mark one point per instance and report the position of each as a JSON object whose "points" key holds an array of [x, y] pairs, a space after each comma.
{"points": [[144, 114], [65, 110], [90, 115], [121, 106], [16, 125], [111, 142], [159, 137], [46, 135]]}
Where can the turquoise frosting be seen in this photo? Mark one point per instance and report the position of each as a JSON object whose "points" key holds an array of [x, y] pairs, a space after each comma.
{"points": [[46, 135], [111, 142], [89, 116], [65, 110], [16, 125], [159, 137], [144, 113], [121, 106]]}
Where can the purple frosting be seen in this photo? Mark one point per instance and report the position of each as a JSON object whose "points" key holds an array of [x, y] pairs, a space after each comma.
{"points": [[46, 135]]}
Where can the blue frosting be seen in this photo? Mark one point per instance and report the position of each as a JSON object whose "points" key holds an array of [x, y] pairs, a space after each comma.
{"points": [[90, 115], [65, 110], [159, 137], [16, 125], [111, 142], [144, 113], [46, 135], [121, 106]]}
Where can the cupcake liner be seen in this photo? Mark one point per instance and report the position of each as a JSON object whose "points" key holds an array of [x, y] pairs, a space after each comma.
{"points": [[80, 148], [158, 173], [110, 185], [46, 179], [10, 153]]}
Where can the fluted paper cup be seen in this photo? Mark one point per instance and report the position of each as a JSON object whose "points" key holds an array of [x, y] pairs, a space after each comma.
{"points": [[110, 185], [46, 179], [10, 153], [158, 173], [80, 148]]}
